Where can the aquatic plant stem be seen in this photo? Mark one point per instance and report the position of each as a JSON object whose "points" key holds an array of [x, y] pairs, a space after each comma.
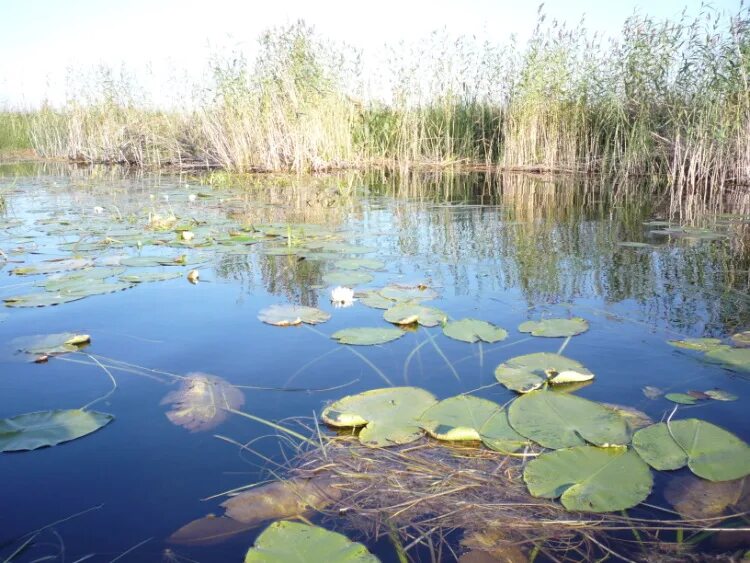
{"points": [[442, 355], [111, 377], [272, 425]]}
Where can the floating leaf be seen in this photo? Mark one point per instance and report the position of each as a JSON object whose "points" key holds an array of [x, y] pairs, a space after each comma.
{"points": [[719, 395], [43, 299], [289, 315], [555, 328], [408, 293], [681, 398], [150, 277], [732, 358], [531, 371], [708, 450], [52, 266], [590, 479], [51, 344], [281, 499], [701, 344], [560, 420], [367, 336], [372, 298], [408, 313], [358, 263], [652, 392], [631, 244], [201, 401], [692, 497], [634, 418], [348, 278], [208, 530], [473, 330], [64, 283], [741, 339], [389, 416], [48, 428], [291, 541]]}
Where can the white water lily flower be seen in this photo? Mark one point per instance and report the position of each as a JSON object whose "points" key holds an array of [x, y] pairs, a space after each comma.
{"points": [[98, 210], [191, 198], [342, 296], [165, 197]]}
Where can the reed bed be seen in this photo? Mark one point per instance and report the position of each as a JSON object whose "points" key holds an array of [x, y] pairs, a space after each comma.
{"points": [[428, 494], [666, 99]]}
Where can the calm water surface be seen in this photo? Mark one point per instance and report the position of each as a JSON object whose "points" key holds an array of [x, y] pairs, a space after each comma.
{"points": [[505, 251]]}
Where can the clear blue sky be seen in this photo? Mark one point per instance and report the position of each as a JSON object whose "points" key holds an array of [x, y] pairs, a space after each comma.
{"points": [[40, 39]]}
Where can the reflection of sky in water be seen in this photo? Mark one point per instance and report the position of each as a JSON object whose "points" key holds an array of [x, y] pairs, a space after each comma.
{"points": [[534, 250]]}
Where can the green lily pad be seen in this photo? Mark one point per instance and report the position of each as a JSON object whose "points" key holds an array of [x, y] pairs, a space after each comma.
{"points": [[473, 330], [560, 420], [410, 313], [290, 315], [720, 395], [48, 428], [372, 298], [290, 542], [555, 328], [681, 398], [52, 266], [42, 299], [731, 358], [701, 344], [389, 416], [367, 336], [531, 371], [741, 339], [150, 277], [65, 282], [590, 479], [408, 293], [347, 278], [360, 263], [283, 250], [51, 344], [708, 450]]}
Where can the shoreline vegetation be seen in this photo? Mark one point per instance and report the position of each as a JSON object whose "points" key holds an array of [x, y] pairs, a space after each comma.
{"points": [[666, 99]]}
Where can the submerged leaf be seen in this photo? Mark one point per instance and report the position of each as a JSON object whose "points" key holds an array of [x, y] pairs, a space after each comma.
{"points": [[720, 395], [407, 313], [589, 478], [48, 428], [289, 315], [555, 328], [531, 371], [202, 401], [652, 392], [697, 498], [294, 542], [389, 416], [474, 330], [741, 339], [708, 450], [367, 336], [208, 530], [560, 420]]}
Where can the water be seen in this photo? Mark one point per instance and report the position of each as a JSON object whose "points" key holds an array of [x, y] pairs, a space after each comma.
{"points": [[505, 252]]}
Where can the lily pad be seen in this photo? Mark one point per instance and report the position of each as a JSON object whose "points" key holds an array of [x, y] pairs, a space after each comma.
{"points": [[390, 416], [408, 313], [590, 479], [560, 420], [42, 299], [290, 542], [681, 398], [48, 428], [741, 339], [720, 395], [555, 328], [347, 278], [372, 298], [202, 401], [632, 244], [701, 344], [732, 358], [692, 497], [150, 277], [51, 344], [65, 282], [651, 392], [366, 336], [52, 266], [360, 263], [531, 371], [408, 293], [474, 330], [708, 450], [290, 315]]}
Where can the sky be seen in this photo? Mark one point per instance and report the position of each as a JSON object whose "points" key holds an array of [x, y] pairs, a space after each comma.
{"points": [[41, 41]]}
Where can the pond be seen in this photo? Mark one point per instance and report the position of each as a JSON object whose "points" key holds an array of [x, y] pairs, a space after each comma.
{"points": [[168, 274]]}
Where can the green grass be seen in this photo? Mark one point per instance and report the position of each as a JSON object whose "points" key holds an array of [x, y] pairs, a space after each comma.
{"points": [[14, 131], [667, 99]]}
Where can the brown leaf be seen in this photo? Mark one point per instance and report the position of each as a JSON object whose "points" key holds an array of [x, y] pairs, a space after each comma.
{"points": [[201, 401], [693, 497], [281, 499], [208, 530]]}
